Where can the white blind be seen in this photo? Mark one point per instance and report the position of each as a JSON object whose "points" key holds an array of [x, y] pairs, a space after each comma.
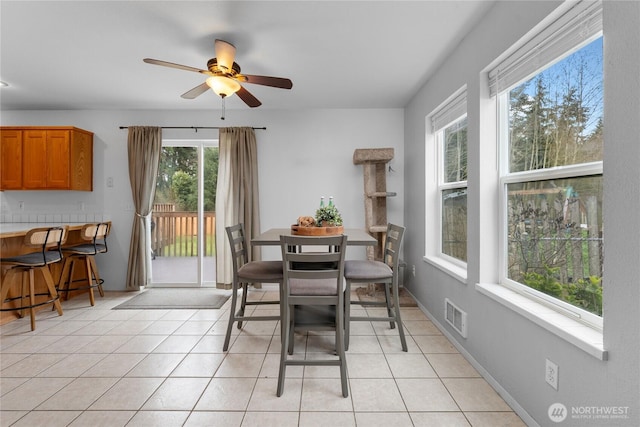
{"points": [[576, 26], [450, 111]]}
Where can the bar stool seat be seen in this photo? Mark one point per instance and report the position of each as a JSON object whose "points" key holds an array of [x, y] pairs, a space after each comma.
{"points": [[49, 241], [95, 234]]}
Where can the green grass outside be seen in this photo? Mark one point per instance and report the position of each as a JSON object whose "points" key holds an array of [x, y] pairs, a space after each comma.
{"points": [[185, 246]]}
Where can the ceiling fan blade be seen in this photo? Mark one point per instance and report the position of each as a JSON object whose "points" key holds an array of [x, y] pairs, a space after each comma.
{"points": [[172, 65], [225, 54], [248, 98], [278, 82], [196, 91]]}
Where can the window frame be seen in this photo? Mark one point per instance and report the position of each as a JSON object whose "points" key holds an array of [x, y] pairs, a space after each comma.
{"points": [[454, 108], [506, 177], [443, 186]]}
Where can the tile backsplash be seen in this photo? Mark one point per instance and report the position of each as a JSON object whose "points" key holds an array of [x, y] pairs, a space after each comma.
{"points": [[49, 207], [65, 217]]}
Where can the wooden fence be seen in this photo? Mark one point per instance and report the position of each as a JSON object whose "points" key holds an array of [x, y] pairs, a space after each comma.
{"points": [[174, 233], [562, 233]]}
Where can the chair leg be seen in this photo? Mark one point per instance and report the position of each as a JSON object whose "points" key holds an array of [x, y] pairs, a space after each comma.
{"points": [[340, 346], [48, 279], [70, 277], [89, 276], [347, 314], [387, 298], [32, 299], [7, 280], [7, 283], [96, 275], [282, 308], [65, 277], [24, 289], [396, 309], [243, 303], [291, 309], [284, 348], [232, 315]]}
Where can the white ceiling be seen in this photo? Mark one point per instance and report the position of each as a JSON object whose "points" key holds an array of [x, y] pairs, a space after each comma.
{"points": [[339, 54]]}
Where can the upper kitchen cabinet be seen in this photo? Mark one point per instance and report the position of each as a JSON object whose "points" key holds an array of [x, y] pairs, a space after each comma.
{"points": [[46, 158]]}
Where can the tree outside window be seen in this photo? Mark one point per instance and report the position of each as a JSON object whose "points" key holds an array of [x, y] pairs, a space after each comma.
{"points": [[553, 180]]}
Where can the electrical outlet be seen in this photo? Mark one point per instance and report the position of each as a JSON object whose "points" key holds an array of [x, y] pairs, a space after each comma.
{"points": [[21, 205], [551, 374], [413, 270]]}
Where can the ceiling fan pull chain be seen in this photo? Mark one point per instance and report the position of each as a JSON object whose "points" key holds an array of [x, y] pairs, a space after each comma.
{"points": [[223, 112]]}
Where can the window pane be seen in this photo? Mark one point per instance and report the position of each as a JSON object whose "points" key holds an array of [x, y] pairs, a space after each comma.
{"points": [[555, 118], [455, 152], [555, 238], [454, 223]]}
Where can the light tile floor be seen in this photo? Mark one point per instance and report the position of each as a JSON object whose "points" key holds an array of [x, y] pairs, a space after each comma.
{"points": [[95, 366]]}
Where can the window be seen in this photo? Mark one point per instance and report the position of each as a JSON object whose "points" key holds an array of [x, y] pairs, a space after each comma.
{"points": [[449, 125], [452, 142], [550, 125]]}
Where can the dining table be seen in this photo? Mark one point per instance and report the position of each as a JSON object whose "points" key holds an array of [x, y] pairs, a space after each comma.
{"points": [[355, 237], [320, 315]]}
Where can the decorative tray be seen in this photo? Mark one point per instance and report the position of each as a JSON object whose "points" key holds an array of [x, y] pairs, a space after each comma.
{"points": [[316, 231]]}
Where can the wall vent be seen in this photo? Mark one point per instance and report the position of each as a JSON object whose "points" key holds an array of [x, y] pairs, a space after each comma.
{"points": [[455, 317]]}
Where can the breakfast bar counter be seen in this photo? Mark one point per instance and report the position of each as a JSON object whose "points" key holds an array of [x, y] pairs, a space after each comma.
{"points": [[12, 244], [19, 229]]}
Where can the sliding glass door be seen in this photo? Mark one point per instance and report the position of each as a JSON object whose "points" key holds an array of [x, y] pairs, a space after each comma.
{"points": [[183, 219]]}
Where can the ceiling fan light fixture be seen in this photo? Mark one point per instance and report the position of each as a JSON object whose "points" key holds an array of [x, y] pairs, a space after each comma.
{"points": [[223, 86]]}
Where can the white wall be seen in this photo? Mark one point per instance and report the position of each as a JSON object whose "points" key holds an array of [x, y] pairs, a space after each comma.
{"points": [[508, 348], [302, 155]]}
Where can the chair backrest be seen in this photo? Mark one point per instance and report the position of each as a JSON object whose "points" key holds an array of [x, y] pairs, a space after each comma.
{"points": [[391, 255], [96, 233], [45, 239], [324, 260], [238, 244]]}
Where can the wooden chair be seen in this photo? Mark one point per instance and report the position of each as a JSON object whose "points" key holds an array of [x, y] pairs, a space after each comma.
{"points": [[311, 280], [244, 273], [95, 236], [372, 271], [48, 242]]}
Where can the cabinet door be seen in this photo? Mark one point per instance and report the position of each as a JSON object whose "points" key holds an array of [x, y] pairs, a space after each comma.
{"points": [[81, 161], [10, 159], [57, 156], [34, 161]]}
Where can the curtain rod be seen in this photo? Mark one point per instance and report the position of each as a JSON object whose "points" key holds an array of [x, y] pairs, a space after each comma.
{"points": [[196, 127]]}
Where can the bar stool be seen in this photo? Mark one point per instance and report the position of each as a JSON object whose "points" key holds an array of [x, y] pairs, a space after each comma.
{"points": [[49, 241], [384, 271], [95, 234]]}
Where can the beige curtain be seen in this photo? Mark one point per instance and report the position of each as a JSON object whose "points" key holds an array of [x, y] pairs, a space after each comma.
{"points": [[144, 148], [236, 195]]}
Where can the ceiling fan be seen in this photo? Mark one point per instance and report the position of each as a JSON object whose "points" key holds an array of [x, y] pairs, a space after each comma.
{"points": [[225, 77]]}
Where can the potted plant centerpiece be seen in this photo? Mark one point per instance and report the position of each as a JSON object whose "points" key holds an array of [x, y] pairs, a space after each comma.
{"points": [[328, 216], [327, 221]]}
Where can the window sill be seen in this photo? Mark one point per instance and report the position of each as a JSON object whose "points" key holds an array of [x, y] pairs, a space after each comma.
{"points": [[455, 271], [582, 336]]}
